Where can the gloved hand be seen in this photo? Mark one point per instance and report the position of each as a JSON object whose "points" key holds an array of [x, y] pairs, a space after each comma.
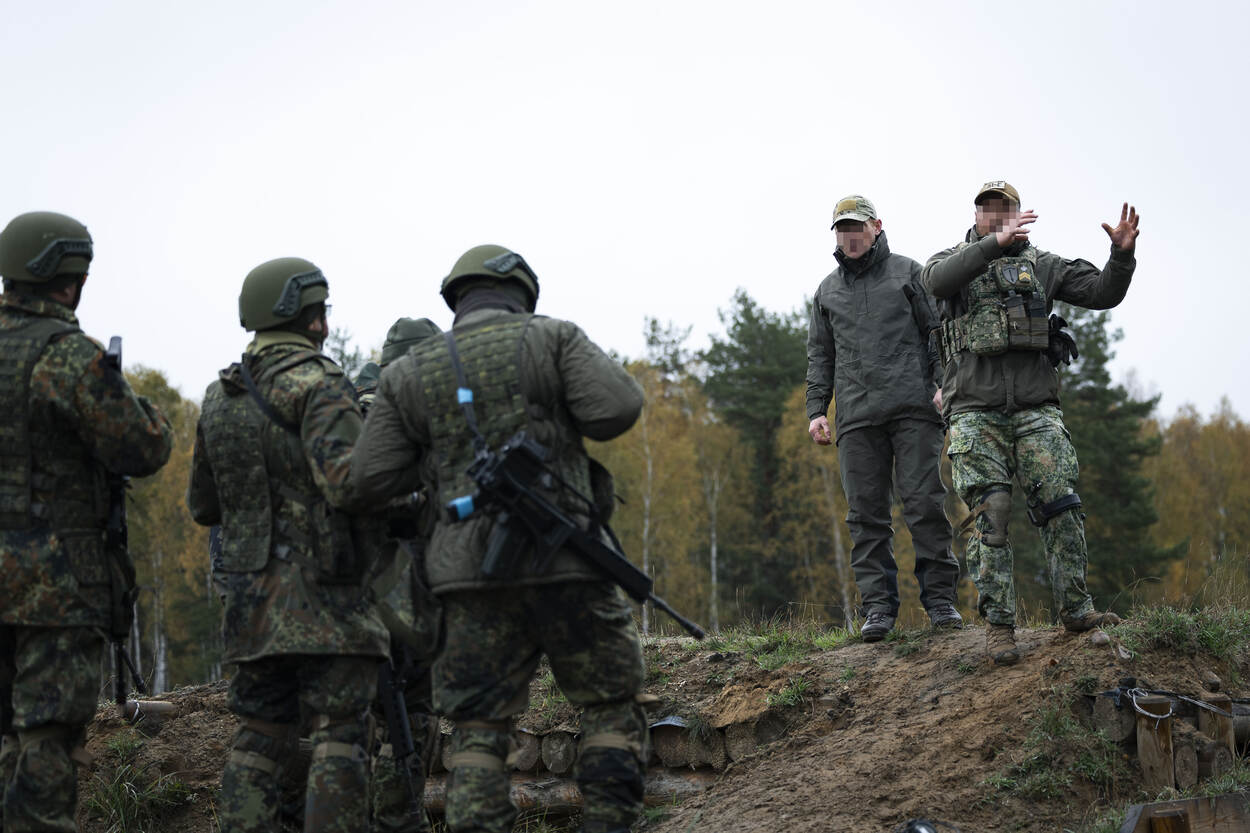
{"points": [[1062, 346]]}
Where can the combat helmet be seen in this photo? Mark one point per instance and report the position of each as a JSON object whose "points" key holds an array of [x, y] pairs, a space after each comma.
{"points": [[490, 261], [40, 245], [276, 291]]}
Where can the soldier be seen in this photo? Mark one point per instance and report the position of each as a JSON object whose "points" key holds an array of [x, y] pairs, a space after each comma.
{"points": [[543, 376], [68, 419], [868, 340], [1001, 397], [410, 612], [271, 465]]}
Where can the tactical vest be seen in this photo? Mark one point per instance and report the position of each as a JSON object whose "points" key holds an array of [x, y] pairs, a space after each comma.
{"points": [[490, 354], [270, 504], [1006, 310], [48, 478]]}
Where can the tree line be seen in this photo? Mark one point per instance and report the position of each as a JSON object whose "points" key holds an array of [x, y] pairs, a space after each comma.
{"points": [[739, 517]]}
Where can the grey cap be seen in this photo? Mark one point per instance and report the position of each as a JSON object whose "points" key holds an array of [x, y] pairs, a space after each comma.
{"points": [[854, 207], [405, 334]]}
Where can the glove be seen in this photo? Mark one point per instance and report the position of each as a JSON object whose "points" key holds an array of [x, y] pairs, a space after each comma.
{"points": [[1062, 346]]}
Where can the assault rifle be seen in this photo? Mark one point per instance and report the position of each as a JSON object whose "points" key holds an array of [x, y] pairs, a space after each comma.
{"points": [[506, 485], [392, 679], [123, 591]]}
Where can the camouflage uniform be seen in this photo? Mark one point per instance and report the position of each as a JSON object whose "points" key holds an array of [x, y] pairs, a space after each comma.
{"points": [[544, 376], [292, 569], [412, 613], [63, 428], [1003, 407]]}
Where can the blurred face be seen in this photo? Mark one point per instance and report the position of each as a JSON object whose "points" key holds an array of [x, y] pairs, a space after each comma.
{"points": [[994, 212], [855, 238]]}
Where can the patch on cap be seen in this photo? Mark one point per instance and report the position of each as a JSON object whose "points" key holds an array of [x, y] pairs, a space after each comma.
{"points": [[999, 187], [854, 207]]}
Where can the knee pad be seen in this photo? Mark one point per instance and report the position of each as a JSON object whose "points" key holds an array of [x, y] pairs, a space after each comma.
{"points": [[991, 515], [1041, 513], [480, 744], [69, 738], [342, 736], [619, 724], [262, 745]]}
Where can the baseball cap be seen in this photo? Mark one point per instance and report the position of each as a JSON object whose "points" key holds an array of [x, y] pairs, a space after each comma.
{"points": [[854, 207], [1000, 188]]}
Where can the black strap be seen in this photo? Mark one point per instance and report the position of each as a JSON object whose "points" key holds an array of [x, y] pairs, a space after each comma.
{"points": [[464, 394], [265, 407], [1040, 515]]}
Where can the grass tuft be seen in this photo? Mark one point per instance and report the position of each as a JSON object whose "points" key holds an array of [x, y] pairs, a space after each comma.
{"points": [[126, 795], [1222, 632], [794, 693]]}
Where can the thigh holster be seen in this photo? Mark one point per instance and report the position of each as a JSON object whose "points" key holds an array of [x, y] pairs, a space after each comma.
{"points": [[1041, 513]]}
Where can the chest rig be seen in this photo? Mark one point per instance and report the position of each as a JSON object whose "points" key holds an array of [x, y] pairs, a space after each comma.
{"points": [[489, 355], [47, 478], [1006, 310]]}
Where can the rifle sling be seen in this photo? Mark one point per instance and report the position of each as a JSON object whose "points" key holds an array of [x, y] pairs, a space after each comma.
{"points": [[464, 394], [265, 407]]}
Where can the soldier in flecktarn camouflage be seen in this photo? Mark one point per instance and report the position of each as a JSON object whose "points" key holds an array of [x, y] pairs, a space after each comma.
{"points": [[1001, 348], [412, 615], [522, 372], [271, 467], [68, 419]]}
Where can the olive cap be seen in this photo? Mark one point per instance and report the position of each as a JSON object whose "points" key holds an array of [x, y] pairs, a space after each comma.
{"points": [[998, 188], [405, 334], [276, 291], [854, 207], [37, 246], [490, 261]]}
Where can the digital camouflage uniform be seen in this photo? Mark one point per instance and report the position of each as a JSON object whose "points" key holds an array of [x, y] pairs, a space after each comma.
{"points": [[411, 612], [67, 419], [542, 375], [293, 570], [865, 346], [1003, 411]]}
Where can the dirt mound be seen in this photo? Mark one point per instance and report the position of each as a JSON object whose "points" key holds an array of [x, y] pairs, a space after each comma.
{"points": [[823, 735]]}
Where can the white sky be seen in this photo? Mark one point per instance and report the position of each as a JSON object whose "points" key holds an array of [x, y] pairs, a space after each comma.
{"points": [[646, 158]]}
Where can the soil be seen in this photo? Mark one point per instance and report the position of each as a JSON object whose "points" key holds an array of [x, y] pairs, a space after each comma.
{"points": [[859, 738]]}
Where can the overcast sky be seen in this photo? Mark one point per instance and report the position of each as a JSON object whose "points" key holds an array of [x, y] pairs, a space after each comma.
{"points": [[646, 158]]}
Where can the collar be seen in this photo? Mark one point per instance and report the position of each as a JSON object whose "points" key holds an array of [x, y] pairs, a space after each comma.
{"points": [[268, 338], [42, 307], [879, 251]]}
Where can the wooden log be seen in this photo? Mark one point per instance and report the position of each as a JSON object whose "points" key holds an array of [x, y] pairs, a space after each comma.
{"points": [[1228, 813], [1185, 742], [1175, 820], [1154, 743], [1118, 724], [1214, 760], [1217, 726], [1241, 730], [559, 750], [528, 751]]}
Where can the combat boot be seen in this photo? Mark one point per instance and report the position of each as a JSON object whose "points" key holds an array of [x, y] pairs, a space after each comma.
{"points": [[1000, 644], [876, 626], [1091, 620], [945, 615]]}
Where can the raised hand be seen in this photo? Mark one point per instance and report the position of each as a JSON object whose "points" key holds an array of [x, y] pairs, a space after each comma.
{"points": [[1015, 229], [1124, 236]]}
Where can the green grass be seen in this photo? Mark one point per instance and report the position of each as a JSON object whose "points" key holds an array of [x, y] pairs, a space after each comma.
{"points": [[905, 642], [967, 666], [797, 690], [1058, 750], [1222, 632], [125, 794], [848, 674], [778, 642], [549, 698]]}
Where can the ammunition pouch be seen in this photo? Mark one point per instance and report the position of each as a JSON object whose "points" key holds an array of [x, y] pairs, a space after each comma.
{"points": [[1006, 311]]}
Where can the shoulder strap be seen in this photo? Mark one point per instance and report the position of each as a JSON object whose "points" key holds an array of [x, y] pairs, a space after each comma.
{"points": [[264, 406], [464, 394]]}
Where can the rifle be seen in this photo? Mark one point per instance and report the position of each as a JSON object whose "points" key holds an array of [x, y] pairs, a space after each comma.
{"points": [[506, 483], [392, 679], [123, 591]]}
